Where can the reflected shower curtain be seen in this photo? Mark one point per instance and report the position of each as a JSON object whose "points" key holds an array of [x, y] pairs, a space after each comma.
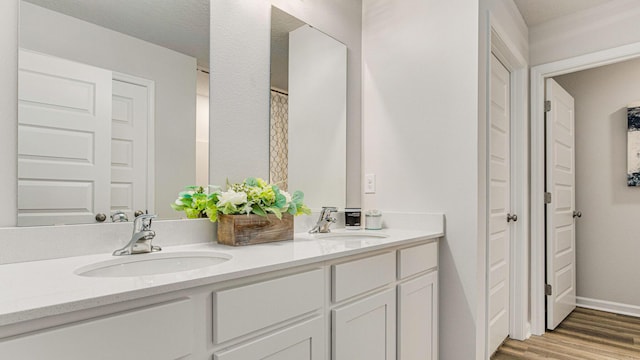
{"points": [[278, 139]]}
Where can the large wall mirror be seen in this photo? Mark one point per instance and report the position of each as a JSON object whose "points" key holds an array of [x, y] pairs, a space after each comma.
{"points": [[113, 107], [113, 110], [308, 111]]}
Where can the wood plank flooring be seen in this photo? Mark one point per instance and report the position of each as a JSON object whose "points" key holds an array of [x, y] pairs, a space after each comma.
{"points": [[584, 335]]}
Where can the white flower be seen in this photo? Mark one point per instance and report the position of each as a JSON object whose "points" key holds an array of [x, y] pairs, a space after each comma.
{"points": [[287, 196], [232, 197]]}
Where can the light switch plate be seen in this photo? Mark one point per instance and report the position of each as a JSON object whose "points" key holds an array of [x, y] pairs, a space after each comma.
{"points": [[370, 183]]}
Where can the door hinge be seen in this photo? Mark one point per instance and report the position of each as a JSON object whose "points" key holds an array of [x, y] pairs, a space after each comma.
{"points": [[547, 105], [547, 198], [547, 289]]}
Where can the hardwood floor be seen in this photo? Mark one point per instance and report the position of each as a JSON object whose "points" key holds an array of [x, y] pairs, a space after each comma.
{"points": [[584, 335]]}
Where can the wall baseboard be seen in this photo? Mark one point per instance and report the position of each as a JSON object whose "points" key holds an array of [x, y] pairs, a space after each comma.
{"points": [[609, 306]]}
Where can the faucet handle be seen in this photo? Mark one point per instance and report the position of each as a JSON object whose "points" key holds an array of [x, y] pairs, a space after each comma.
{"points": [[144, 220]]}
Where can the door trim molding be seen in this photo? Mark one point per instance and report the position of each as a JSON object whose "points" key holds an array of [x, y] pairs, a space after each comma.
{"points": [[538, 75], [151, 90], [501, 45]]}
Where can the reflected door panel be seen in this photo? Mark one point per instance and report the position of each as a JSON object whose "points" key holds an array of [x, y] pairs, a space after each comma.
{"points": [[130, 118], [64, 128]]}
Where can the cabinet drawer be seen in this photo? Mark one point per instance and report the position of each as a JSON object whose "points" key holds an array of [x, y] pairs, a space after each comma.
{"points": [[356, 277], [159, 332], [250, 308], [304, 341], [417, 259]]}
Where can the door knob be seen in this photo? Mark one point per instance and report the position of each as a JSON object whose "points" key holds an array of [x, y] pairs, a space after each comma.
{"points": [[100, 217], [512, 217], [577, 214]]}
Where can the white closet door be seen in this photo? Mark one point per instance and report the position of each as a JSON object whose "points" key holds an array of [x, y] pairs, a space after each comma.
{"points": [[561, 229], [64, 131], [499, 205], [129, 141]]}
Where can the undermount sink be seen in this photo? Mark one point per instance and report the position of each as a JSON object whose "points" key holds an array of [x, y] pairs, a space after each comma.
{"points": [[152, 264], [351, 235]]}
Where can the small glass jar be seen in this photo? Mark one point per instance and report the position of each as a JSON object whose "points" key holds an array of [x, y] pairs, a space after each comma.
{"points": [[373, 220]]}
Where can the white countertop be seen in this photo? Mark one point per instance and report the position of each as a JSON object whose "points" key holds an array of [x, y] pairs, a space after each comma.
{"points": [[32, 290]]}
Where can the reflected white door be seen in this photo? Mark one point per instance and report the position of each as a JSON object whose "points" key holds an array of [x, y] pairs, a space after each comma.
{"points": [[129, 157], [560, 182], [64, 131], [499, 205]]}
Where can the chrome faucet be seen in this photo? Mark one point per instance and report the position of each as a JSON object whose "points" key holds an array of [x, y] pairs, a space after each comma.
{"points": [[325, 220], [141, 238]]}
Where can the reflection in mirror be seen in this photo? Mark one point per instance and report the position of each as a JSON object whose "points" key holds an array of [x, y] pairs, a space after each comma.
{"points": [[113, 107], [308, 111]]}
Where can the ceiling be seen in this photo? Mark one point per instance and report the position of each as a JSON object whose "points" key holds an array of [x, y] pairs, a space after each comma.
{"points": [[536, 12], [182, 26]]}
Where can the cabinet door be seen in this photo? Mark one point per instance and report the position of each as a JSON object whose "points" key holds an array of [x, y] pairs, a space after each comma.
{"points": [[305, 341], [418, 318], [163, 332], [366, 329]]}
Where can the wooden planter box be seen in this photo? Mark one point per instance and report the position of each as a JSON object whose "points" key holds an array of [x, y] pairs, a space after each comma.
{"points": [[238, 230]]}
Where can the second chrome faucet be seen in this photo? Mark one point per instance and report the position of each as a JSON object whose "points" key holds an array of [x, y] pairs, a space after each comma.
{"points": [[325, 220]]}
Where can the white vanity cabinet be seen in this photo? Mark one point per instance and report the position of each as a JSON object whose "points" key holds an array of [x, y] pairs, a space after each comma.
{"points": [[161, 332], [365, 329], [385, 306], [364, 316], [371, 305], [418, 302], [283, 317], [305, 341]]}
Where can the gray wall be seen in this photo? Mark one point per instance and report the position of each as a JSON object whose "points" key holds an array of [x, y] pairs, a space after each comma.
{"points": [[608, 234], [175, 86], [420, 131]]}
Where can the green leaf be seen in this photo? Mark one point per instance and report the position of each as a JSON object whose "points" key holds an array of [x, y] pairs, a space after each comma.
{"points": [[302, 209], [258, 210], [293, 209], [251, 181], [298, 197], [192, 213], [275, 212], [281, 201], [212, 214]]}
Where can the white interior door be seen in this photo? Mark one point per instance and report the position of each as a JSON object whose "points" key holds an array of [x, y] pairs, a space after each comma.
{"points": [[499, 205], [64, 131], [560, 183], [129, 156]]}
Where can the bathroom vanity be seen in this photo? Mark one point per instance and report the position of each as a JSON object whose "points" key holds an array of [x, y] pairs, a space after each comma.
{"points": [[350, 295]]}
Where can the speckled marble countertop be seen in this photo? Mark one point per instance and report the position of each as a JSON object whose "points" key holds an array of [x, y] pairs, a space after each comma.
{"points": [[31, 290]]}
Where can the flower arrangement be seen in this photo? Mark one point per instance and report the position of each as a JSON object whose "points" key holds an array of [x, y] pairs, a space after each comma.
{"points": [[252, 196]]}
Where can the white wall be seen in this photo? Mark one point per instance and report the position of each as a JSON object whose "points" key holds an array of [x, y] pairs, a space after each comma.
{"points": [[175, 86], [607, 235], [8, 111], [606, 26], [420, 133], [240, 38], [202, 130]]}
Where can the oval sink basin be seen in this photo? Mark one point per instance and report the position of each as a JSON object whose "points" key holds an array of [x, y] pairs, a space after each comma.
{"points": [[352, 235], [152, 264]]}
